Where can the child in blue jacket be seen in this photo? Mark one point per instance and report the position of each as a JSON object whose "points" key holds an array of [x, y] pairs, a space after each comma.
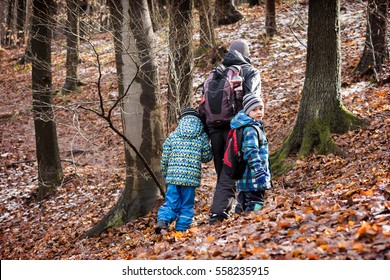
{"points": [[257, 177], [183, 152]]}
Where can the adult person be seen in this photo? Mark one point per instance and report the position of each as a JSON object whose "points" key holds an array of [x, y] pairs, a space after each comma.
{"points": [[224, 194]]}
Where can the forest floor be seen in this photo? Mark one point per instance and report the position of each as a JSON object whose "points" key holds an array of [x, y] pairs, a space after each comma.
{"points": [[325, 207]]}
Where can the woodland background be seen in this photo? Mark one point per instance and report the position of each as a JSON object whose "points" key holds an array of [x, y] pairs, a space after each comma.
{"points": [[325, 207]]}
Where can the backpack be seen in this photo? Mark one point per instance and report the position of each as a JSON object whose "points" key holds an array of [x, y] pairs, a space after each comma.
{"points": [[222, 95], [233, 158]]}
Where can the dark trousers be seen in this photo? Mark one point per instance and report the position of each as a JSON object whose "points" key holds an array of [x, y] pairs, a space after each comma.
{"points": [[224, 196], [225, 190], [218, 142], [249, 201]]}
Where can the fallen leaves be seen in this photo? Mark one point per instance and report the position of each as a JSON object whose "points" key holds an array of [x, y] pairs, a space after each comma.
{"points": [[325, 207]]}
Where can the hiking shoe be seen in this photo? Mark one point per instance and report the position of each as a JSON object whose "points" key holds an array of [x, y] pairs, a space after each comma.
{"points": [[161, 225], [214, 218]]}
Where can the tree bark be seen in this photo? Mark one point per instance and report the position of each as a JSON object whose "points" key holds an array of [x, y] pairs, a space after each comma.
{"points": [[10, 23], [226, 13], [321, 111], [180, 59], [50, 173], [270, 18], [376, 48], [158, 13], [72, 46], [20, 21], [141, 111]]}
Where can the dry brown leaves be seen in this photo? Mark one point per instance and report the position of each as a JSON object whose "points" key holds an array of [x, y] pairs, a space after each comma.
{"points": [[325, 207]]}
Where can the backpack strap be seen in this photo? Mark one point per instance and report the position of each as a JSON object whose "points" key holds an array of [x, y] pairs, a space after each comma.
{"points": [[259, 132], [220, 69]]}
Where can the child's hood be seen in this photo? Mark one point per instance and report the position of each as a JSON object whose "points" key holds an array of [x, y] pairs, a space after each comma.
{"points": [[190, 127], [240, 120]]}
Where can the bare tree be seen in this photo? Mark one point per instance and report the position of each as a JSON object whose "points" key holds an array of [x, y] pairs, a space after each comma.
{"points": [[321, 110], [20, 21], [10, 23], [141, 111], [50, 173], [72, 45], [181, 57], [270, 18], [207, 33], [376, 46]]}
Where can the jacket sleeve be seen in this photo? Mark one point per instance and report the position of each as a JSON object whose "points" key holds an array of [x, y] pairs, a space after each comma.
{"points": [[165, 157], [254, 152], [207, 154], [252, 82]]}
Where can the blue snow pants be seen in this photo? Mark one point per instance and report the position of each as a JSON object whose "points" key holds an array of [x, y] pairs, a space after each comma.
{"points": [[179, 206]]}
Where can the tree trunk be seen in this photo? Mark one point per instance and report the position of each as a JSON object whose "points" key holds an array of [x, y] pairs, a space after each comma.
{"points": [[181, 58], [10, 23], [158, 12], [270, 18], [226, 13], [49, 165], [321, 111], [375, 48], [72, 46], [141, 111], [20, 21], [253, 3]]}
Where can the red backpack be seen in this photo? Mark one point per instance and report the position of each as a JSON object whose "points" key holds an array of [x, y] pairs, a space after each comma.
{"points": [[233, 158]]}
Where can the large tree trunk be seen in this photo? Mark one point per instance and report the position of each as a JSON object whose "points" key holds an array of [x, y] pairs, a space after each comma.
{"points": [[180, 59], [375, 48], [72, 46], [321, 111], [141, 111], [49, 165], [270, 18], [226, 13]]}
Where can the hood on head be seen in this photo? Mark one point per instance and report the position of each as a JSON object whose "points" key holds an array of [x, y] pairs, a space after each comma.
{"points": [[190, 126]]}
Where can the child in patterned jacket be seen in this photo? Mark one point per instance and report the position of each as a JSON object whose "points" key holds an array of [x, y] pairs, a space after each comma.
{"points": [[184, 151], [257, 177]]}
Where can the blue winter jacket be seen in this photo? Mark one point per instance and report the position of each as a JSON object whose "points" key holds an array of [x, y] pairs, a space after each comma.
{"points": [[183, 152], [255, 152]]}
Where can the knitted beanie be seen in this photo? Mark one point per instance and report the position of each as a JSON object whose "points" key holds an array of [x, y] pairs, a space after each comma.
{"points": [[251, 101], [241, 46], [188, 111]]}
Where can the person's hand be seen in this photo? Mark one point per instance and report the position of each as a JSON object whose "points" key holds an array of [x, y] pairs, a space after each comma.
{"points": [[260, 176]]}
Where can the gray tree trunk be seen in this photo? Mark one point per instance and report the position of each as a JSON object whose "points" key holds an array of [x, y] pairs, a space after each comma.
{"points": [[141, 111], [321, 110], [20, 21], [376, 46], [72, 46], [181, 58], [50, 173], [270, 18]]}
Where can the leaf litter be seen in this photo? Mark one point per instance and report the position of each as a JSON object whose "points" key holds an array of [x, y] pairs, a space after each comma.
{"points": [[325, 207]]}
